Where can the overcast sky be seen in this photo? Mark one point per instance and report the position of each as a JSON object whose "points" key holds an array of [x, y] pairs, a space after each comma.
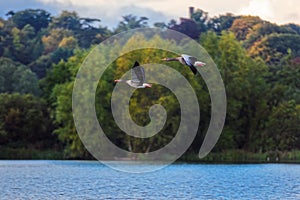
{"points": [[111, 11]]}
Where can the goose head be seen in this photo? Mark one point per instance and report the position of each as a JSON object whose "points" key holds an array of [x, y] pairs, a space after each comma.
{"points": [[147, 85], [199, 64], [118, 81]]}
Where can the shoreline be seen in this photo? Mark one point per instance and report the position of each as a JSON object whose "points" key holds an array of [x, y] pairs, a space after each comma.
{"points": [[226, 157]]}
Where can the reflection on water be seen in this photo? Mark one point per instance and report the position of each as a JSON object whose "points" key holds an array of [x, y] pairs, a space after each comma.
{"points": [[92, 180]]}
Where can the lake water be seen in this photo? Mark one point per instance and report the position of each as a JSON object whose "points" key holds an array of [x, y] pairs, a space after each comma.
{"points": [[92, 180]]}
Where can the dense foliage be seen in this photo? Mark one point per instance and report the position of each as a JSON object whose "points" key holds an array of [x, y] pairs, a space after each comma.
{"points": [[40, 55]]}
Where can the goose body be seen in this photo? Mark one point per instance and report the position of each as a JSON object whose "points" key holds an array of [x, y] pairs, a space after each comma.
{"points": [[188, 60], [137, 77]]}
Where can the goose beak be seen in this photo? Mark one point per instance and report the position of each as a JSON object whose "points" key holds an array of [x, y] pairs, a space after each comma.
{"points": [[117, 81], [148, 85], [165, 59]]}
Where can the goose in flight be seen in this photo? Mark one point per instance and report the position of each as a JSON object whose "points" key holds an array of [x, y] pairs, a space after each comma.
{"points": [[190, 61], [137, 77]]}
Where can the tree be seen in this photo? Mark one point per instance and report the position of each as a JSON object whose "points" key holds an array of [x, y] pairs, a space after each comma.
{"points": [[272, 48], [3, 36], [221, 23], [52, 40], [294, 27], [36, 18], [25, 122], [263, 29], [41, 65], [26, 47], [282, 128], [201, 19], [25, 81], [57, 87], [66, 20], [160, 25], [89, 34], [16, 77], [188, 27], [243, 25], [244, 80], [7, 68], [209, 41], [84, 30], [131, 22], [60, 73]]}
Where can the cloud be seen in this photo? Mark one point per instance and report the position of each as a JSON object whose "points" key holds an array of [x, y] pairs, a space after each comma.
{"points": [[278, 11], [110, 12], [217, 7], [262, 8]]}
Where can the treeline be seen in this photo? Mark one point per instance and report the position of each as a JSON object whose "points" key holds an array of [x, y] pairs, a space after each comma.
{"points": [[40, 55]]}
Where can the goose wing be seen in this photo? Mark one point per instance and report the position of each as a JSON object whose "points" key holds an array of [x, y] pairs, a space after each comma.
{"points": [[189, 60], [137, 74], [194, 70]]}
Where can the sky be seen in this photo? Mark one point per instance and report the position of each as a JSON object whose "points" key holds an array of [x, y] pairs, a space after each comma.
{"points": [[111, 11]]}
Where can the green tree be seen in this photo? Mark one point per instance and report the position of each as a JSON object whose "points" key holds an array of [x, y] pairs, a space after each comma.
{"points": [[90, 34], [25, 122], [261, 30], [37, 18], [244, 80], [52, 40], [243, 25], [221, 23], [26, 47], [131, 22], [16, 77], [25, 81], [66, 20], [188, 27], [282, 128], [201, 19], [84, 30], [274, 47], [57, 87]]}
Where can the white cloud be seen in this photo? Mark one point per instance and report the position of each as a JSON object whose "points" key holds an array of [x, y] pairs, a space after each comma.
{"points": [[262, 8], [286, 11], [278, 11], [110, 12]]}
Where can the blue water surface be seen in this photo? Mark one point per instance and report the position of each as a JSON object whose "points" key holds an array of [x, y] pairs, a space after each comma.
{"points": [[92, 180]]}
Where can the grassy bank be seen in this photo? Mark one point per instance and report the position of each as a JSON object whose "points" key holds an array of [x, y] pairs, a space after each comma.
{"points": [[229, 156], [240, 156], [27, 153]]}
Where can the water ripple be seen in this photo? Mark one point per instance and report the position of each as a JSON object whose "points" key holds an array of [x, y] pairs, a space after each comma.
{"points": [[92, 180]]}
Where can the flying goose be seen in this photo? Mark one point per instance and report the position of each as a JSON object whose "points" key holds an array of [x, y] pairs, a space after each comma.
{"points": [[137, 77], [188, 60]]}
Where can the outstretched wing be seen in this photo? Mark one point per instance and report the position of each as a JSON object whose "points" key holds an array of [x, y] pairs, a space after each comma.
{"points": [[189, 60], [194, 70], [137, 74]]}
